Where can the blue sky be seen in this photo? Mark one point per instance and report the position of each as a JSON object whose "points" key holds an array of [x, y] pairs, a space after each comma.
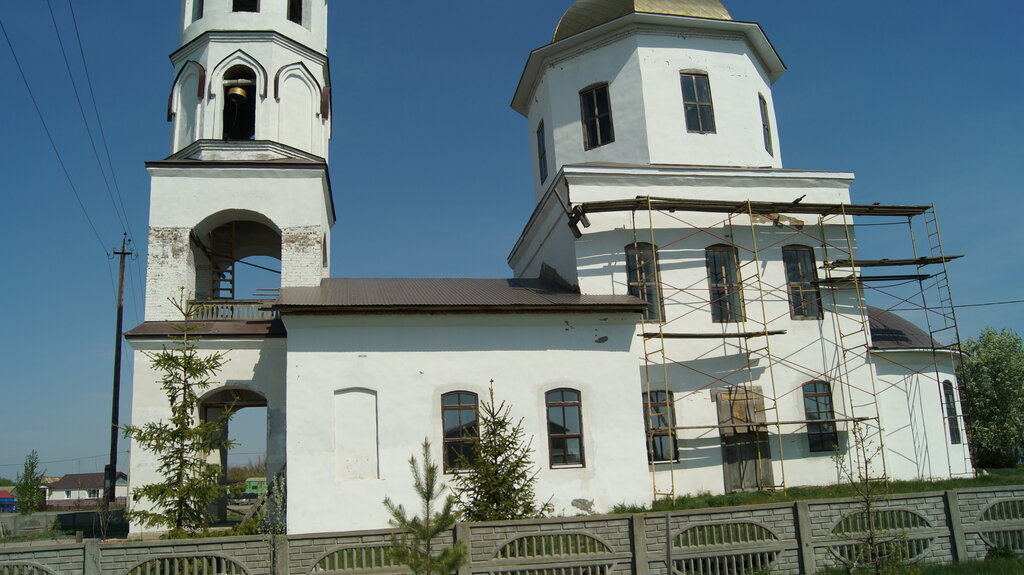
{"points": [[431, 168]]}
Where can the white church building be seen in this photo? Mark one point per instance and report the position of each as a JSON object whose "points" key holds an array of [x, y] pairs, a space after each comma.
{"points": [[684, 313]]}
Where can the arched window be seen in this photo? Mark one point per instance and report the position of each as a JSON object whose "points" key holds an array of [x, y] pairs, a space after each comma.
{"points": [[642, 278], [952, 418], [724, 285], [818, 406], [801, 275], [565, 427], [660, 423], [239, 103], [459, 421]]}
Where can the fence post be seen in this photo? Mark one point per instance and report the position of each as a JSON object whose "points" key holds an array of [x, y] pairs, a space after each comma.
{"points": [[956, 526], [803, 537], [463, 533], [280, 563], [91, 557], [637, 526]]}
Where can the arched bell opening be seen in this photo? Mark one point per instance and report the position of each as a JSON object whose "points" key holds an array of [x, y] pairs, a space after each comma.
{"points": [[238, 263], [244, 464], [239, 89]]}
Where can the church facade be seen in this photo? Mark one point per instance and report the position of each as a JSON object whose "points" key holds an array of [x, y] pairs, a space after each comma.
{"points": [[684, 315]]}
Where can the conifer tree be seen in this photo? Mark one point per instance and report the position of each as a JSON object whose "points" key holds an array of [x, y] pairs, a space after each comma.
{"points": [[181, 501], [416, 546], [499, 481], [27, 493]]}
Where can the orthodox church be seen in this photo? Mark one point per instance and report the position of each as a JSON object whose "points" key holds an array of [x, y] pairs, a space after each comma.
{"points": [[684, 313]]}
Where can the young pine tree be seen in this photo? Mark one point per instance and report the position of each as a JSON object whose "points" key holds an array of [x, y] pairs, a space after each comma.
{"points": [[499, 481], [415, 547], [181, 502]]}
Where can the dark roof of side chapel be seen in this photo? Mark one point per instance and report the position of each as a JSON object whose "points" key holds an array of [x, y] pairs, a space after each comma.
{"points": [[381, 295], [890, 331]]}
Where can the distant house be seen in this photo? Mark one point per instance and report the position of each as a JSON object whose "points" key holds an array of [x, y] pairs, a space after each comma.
{"points": [[83, 490], [7, 502], [256, 485]]}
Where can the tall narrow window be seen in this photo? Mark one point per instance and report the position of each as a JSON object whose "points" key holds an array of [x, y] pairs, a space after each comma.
{"points": [[818, 406], [597, 117], [239, 103], [295, 11], [726, 290], [459, 419], [245, 5], [700, 111], [952, 419], [565, 427], [766, 126], [660, 422], [197, 9], [801, 275], [542, 153], [642, 278]]}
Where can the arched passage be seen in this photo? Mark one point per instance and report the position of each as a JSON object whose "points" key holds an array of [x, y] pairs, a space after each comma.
{"points": [[249, 435], [237, 255]]}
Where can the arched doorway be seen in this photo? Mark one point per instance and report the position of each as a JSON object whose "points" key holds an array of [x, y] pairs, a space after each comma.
{"points": [[248, 427]]}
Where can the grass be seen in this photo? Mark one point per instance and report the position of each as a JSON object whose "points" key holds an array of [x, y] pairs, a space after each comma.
{"points": [[994, 477], [987, 567]]}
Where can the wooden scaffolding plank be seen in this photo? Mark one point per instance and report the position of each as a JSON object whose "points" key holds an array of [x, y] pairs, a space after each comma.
{"points": [[888, 262], [763, 208], [740, 335]]}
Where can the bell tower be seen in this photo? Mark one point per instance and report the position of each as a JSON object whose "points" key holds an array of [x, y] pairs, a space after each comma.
{"points": [[250, 114]]}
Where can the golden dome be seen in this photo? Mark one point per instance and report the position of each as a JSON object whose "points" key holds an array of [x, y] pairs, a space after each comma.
{"points": [[587, 14]]}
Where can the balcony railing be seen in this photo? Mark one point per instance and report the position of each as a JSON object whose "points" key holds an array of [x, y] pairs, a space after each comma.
{"points": [[234, 309]]}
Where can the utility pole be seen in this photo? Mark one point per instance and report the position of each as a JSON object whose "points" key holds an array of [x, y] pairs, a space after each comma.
{"points": [[110, 472]]}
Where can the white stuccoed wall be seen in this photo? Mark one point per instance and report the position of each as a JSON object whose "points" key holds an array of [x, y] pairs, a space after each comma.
{"points": [[294, 202], [409, 361], [642, 67], [912, 388], [254, 364], [289, 60]]}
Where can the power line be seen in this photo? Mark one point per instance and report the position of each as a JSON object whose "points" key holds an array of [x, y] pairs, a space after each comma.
{"points": [[63, 460], [99, 121], [139, 285], [49, 136], [984, 304], [81, 110]]}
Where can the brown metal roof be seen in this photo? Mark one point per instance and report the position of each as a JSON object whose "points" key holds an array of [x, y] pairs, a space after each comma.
{"points": [[372, 295], [81, 481], [219, 329], [890, 331]]}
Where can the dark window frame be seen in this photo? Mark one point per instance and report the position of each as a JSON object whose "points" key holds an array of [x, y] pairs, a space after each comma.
{"points": [[725, 296], [642, 279], [562, 405], [952, 417], [698, 104], [245, 6], [821, 437], [598, 126], [451, 446], [801, 287], [766, 126], [663, 437], [542, 153], [197, 9]]}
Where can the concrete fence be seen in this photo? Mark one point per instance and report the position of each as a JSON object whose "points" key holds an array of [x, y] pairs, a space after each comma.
{"points": [[791, 538]]}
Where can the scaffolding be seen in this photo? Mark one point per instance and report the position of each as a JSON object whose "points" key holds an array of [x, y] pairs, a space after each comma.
{"points": [[844, 305]]}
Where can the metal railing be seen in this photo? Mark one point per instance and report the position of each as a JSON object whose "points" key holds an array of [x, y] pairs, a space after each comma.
{"points": [[234, 309]]}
